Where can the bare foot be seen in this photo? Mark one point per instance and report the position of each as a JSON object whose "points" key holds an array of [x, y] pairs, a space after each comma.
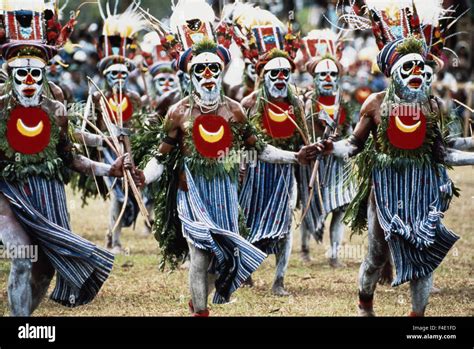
{"points": [[365, 312], [117, 250], [278, 288], [305, 256], [248, 282], [334, 263]]}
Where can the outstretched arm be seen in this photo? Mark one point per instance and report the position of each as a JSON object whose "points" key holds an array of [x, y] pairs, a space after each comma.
{"points": [[461, 143], [355, 143], [455, 157]]}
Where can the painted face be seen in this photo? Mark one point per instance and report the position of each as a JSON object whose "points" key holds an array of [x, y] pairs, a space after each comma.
{"points": [[164, 82], [276, 82], [326, 77], [409, 79], [207, 81], [250, 72], [28, 85], [117, 76], [429, 74], [54, 72], [184, 81]]}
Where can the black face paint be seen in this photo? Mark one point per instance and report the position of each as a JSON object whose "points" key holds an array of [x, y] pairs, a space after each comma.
{"points": [[408, 67], [274, 73], [200, 68]]}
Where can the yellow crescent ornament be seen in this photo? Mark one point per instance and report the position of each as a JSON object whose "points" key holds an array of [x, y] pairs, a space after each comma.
{"points": [[277, 117], [211, 137], [406, 128], [123, 105], [29, 131]]}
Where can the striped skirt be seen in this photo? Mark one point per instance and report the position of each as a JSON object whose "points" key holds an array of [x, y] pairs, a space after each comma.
{"points": [[209, 214], [410, 206], [131, 210], [267, 201], [81, 267], [336, 192]]}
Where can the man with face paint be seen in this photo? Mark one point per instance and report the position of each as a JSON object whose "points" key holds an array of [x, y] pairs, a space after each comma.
{"points": [[123, 108], [268, 194], [209, 129], [35, 150], [242, 90], [404, 186], [324, 108]]}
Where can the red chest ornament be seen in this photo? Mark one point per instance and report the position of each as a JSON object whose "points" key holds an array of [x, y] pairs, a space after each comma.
{"points": [[328, 104], [211, 135], [406, 128], [276, 120], [28, 130], [124, 106]]}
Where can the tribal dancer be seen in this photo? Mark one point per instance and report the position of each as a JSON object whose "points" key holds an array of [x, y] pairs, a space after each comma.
{"points": [[116, 47], [205, 133], [237, 21], [405, 188], [268, 194], [325, 109], [35, 153], [161, 70]]}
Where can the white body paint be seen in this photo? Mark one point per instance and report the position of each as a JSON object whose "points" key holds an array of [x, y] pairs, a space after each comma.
{"points": [[277, 156], [459, 158], [460, 143], [343, 149], [153, 171]]}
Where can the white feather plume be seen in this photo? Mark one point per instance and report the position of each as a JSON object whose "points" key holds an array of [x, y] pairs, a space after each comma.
{"points": [[126, 24]]}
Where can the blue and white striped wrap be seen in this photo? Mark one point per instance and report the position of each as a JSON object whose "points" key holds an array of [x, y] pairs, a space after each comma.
{"points": [[82, 267], [209, 214], [410, 205], [336, 192], [267, 200], [131, 211]]}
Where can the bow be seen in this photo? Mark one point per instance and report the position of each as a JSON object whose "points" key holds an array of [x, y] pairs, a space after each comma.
{"points": [[329, 131]]}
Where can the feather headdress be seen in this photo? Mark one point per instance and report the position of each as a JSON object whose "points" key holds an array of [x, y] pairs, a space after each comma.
{"points": [[32, 28], [423, 23]]}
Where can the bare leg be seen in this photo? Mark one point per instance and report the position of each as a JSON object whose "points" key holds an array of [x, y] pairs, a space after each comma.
{"points": [[282, 260], [336, 231], [198, 278], [113, 237], [147, 230], [42, 275], [29, 280], [371, 267], [305, 238], [420, 292]]}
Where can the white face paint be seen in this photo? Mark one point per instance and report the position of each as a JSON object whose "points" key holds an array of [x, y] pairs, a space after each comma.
{"points": [[28, 85], [250, 72], [164, 82], [409, 77], [207, 81], [326, 77], [116, 75], [429, 75], [276, 82]]}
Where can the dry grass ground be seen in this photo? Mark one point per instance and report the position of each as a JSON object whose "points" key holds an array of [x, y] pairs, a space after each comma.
{"points": [[137, 288]]}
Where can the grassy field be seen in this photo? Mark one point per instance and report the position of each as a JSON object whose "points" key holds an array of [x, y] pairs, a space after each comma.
{"points": [[137, 288]]}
